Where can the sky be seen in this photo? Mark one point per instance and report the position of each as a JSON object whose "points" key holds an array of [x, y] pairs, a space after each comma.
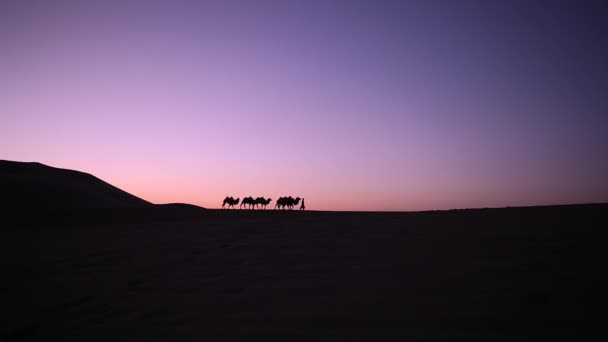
{"points": [[353, 105]]}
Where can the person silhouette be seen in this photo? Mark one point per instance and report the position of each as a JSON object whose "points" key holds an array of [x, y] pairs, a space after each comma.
{"points": [[302, 206]]}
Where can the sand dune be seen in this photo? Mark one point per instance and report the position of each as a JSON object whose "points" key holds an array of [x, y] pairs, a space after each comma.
{"points": [[35, 193], [41, 186]]}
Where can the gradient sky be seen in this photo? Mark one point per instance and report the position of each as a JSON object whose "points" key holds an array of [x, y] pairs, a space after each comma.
{"points": [[376, 105]]}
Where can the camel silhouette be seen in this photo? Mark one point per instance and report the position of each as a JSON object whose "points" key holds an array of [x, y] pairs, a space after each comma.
{"points": [[262, 202], [248, 201], [258, 201], [230, 201], [288, 202], [281, 202], [294, 203], [227, 200]]}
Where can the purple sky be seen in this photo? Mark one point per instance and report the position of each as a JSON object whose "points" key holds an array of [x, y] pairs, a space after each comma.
{"points": [[397, 105]]}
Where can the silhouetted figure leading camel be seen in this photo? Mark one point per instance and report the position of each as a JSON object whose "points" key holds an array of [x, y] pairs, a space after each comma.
{"points": [[302, 207]]}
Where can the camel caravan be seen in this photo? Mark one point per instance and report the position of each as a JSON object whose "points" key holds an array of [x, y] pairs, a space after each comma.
{"points": [[261, 203]]}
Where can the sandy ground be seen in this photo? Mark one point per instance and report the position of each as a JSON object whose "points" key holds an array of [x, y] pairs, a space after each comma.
{"points": [[505, 274]]}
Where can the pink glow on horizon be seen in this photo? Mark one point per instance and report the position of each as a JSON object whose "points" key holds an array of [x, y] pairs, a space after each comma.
{"points": [[170, 185]]}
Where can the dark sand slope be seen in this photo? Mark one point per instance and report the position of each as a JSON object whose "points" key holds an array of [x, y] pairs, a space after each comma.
{"points": [[38, 185], [60, 195], [486, 275]]}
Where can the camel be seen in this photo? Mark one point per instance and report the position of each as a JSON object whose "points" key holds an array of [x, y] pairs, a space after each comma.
{"points": [[227, 200], [288, 202], [293, 202], [230, 201], [262, 202], [257, 202], [266, 202], [248, 201], [280, 202]]}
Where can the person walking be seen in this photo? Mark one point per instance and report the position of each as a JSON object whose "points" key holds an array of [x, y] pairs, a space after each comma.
{"points": [[302, 206]]}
